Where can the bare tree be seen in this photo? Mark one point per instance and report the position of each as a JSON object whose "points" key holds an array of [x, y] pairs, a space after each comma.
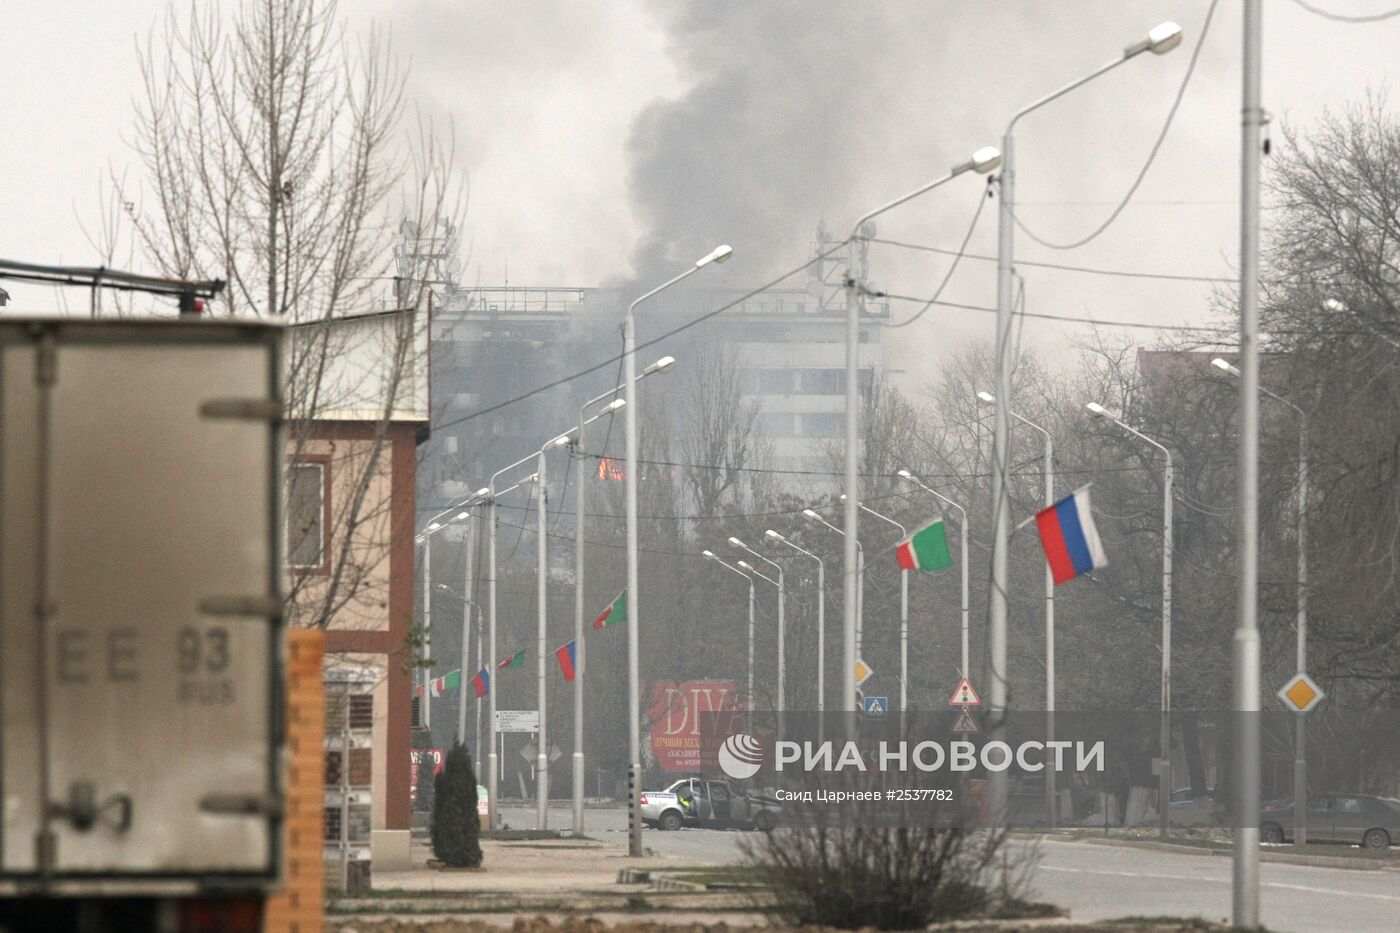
{"points": [[274, 154], [721, 436]]}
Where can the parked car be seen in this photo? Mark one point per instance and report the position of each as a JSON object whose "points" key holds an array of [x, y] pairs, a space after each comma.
{"points": [[709, 803], [1358, 819]]}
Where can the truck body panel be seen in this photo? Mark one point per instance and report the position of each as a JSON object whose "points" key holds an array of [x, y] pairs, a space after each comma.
{"points": [[140, 595]]}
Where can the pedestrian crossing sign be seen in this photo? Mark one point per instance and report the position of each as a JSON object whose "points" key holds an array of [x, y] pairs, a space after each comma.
{"points": [[966, 724], [877, 707]]}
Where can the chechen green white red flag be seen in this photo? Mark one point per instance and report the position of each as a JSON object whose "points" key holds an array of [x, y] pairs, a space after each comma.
{"points": [[926, 548], [616, 612], [452, 680]]}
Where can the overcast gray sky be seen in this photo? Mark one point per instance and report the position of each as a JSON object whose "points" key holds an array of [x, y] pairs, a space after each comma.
{"points": [[607, 139]]}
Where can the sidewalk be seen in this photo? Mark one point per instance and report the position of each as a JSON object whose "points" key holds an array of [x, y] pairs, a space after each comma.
{"points": [[554, 866], [554, 878]]}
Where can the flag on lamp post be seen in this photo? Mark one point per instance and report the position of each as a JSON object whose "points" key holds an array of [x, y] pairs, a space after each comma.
{"points": [[1069, 537], [449, 681], [926, 548], [514, 661], [567, 659], [481, 682], [616, 612]]}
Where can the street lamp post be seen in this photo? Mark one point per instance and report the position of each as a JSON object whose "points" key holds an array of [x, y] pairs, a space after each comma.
{"points": [[492, 760], [580, 496], [903, 612], [665, 364], [425, 708], [755, 572], [962, 514], [1048, 471], [634, 710], [782, 623], [424, 538], [1161, 39], [1245, 850], [982, 161], [542, 630], [748, 690], [1300, 761], [848, 676], [1164, 787], [821, 614]]}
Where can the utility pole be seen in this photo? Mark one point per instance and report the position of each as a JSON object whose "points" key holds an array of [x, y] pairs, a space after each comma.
{"points": [[468, 581], [1246, 645]]}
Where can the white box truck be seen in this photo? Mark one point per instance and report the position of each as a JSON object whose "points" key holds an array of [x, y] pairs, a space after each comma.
{"points": [[140, 623]]}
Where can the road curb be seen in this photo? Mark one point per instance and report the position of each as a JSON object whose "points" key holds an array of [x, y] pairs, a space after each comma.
{"points": [[1265, 855]]}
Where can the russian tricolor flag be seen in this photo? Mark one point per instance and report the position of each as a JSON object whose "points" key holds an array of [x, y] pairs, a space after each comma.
{"points": [[566, 656], [1071, 541], [481, 682]]}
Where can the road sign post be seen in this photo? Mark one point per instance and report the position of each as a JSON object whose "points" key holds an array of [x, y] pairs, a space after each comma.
{"points": [[517, 720]]}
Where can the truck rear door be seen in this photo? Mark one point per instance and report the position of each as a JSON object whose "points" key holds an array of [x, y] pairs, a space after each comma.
{"points": [[140, 600]]}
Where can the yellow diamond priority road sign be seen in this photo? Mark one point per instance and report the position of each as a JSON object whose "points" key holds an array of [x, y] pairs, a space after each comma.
{"points": [[863, 672], [1300, 693]]}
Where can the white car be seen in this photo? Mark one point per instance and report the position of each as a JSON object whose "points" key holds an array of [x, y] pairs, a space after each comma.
{"points": [[708, 803], [664, 809]]}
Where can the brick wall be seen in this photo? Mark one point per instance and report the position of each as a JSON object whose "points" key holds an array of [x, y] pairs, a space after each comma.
{"points": [[300, 907]]}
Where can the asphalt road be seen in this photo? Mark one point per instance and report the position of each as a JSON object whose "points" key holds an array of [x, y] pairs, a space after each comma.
{"points": [[1101, 882]]}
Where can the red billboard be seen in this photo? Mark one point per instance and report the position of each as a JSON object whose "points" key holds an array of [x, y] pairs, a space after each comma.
{"points": [[677, 712]]}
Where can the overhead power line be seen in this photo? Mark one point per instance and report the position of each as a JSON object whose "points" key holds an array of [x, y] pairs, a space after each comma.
{"points": [[1151, 156], [1345, 18], [1089, 270], [953, 267], [1064, 319]]}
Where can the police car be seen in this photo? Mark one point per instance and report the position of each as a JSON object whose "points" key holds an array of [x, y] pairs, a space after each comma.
{"points": [[709, 803], [668, 809]]}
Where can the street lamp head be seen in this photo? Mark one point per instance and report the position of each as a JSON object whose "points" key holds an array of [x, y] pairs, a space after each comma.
{"points": [[461, 515], [811, 513], [1164, 37], [560, 441], [1098, 409], [904, 474], [1160, 40], [770, 533], [987, 397], [434, 526], [982, 161], [1334, 305], [745, 564], [616, 404], [737, 543], [663, 365], [718, 254], [483, 493], [1224, 366]]}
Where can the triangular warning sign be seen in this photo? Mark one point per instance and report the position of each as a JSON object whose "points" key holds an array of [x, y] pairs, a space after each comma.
{"points": [[966, 723], [964, 695]]}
